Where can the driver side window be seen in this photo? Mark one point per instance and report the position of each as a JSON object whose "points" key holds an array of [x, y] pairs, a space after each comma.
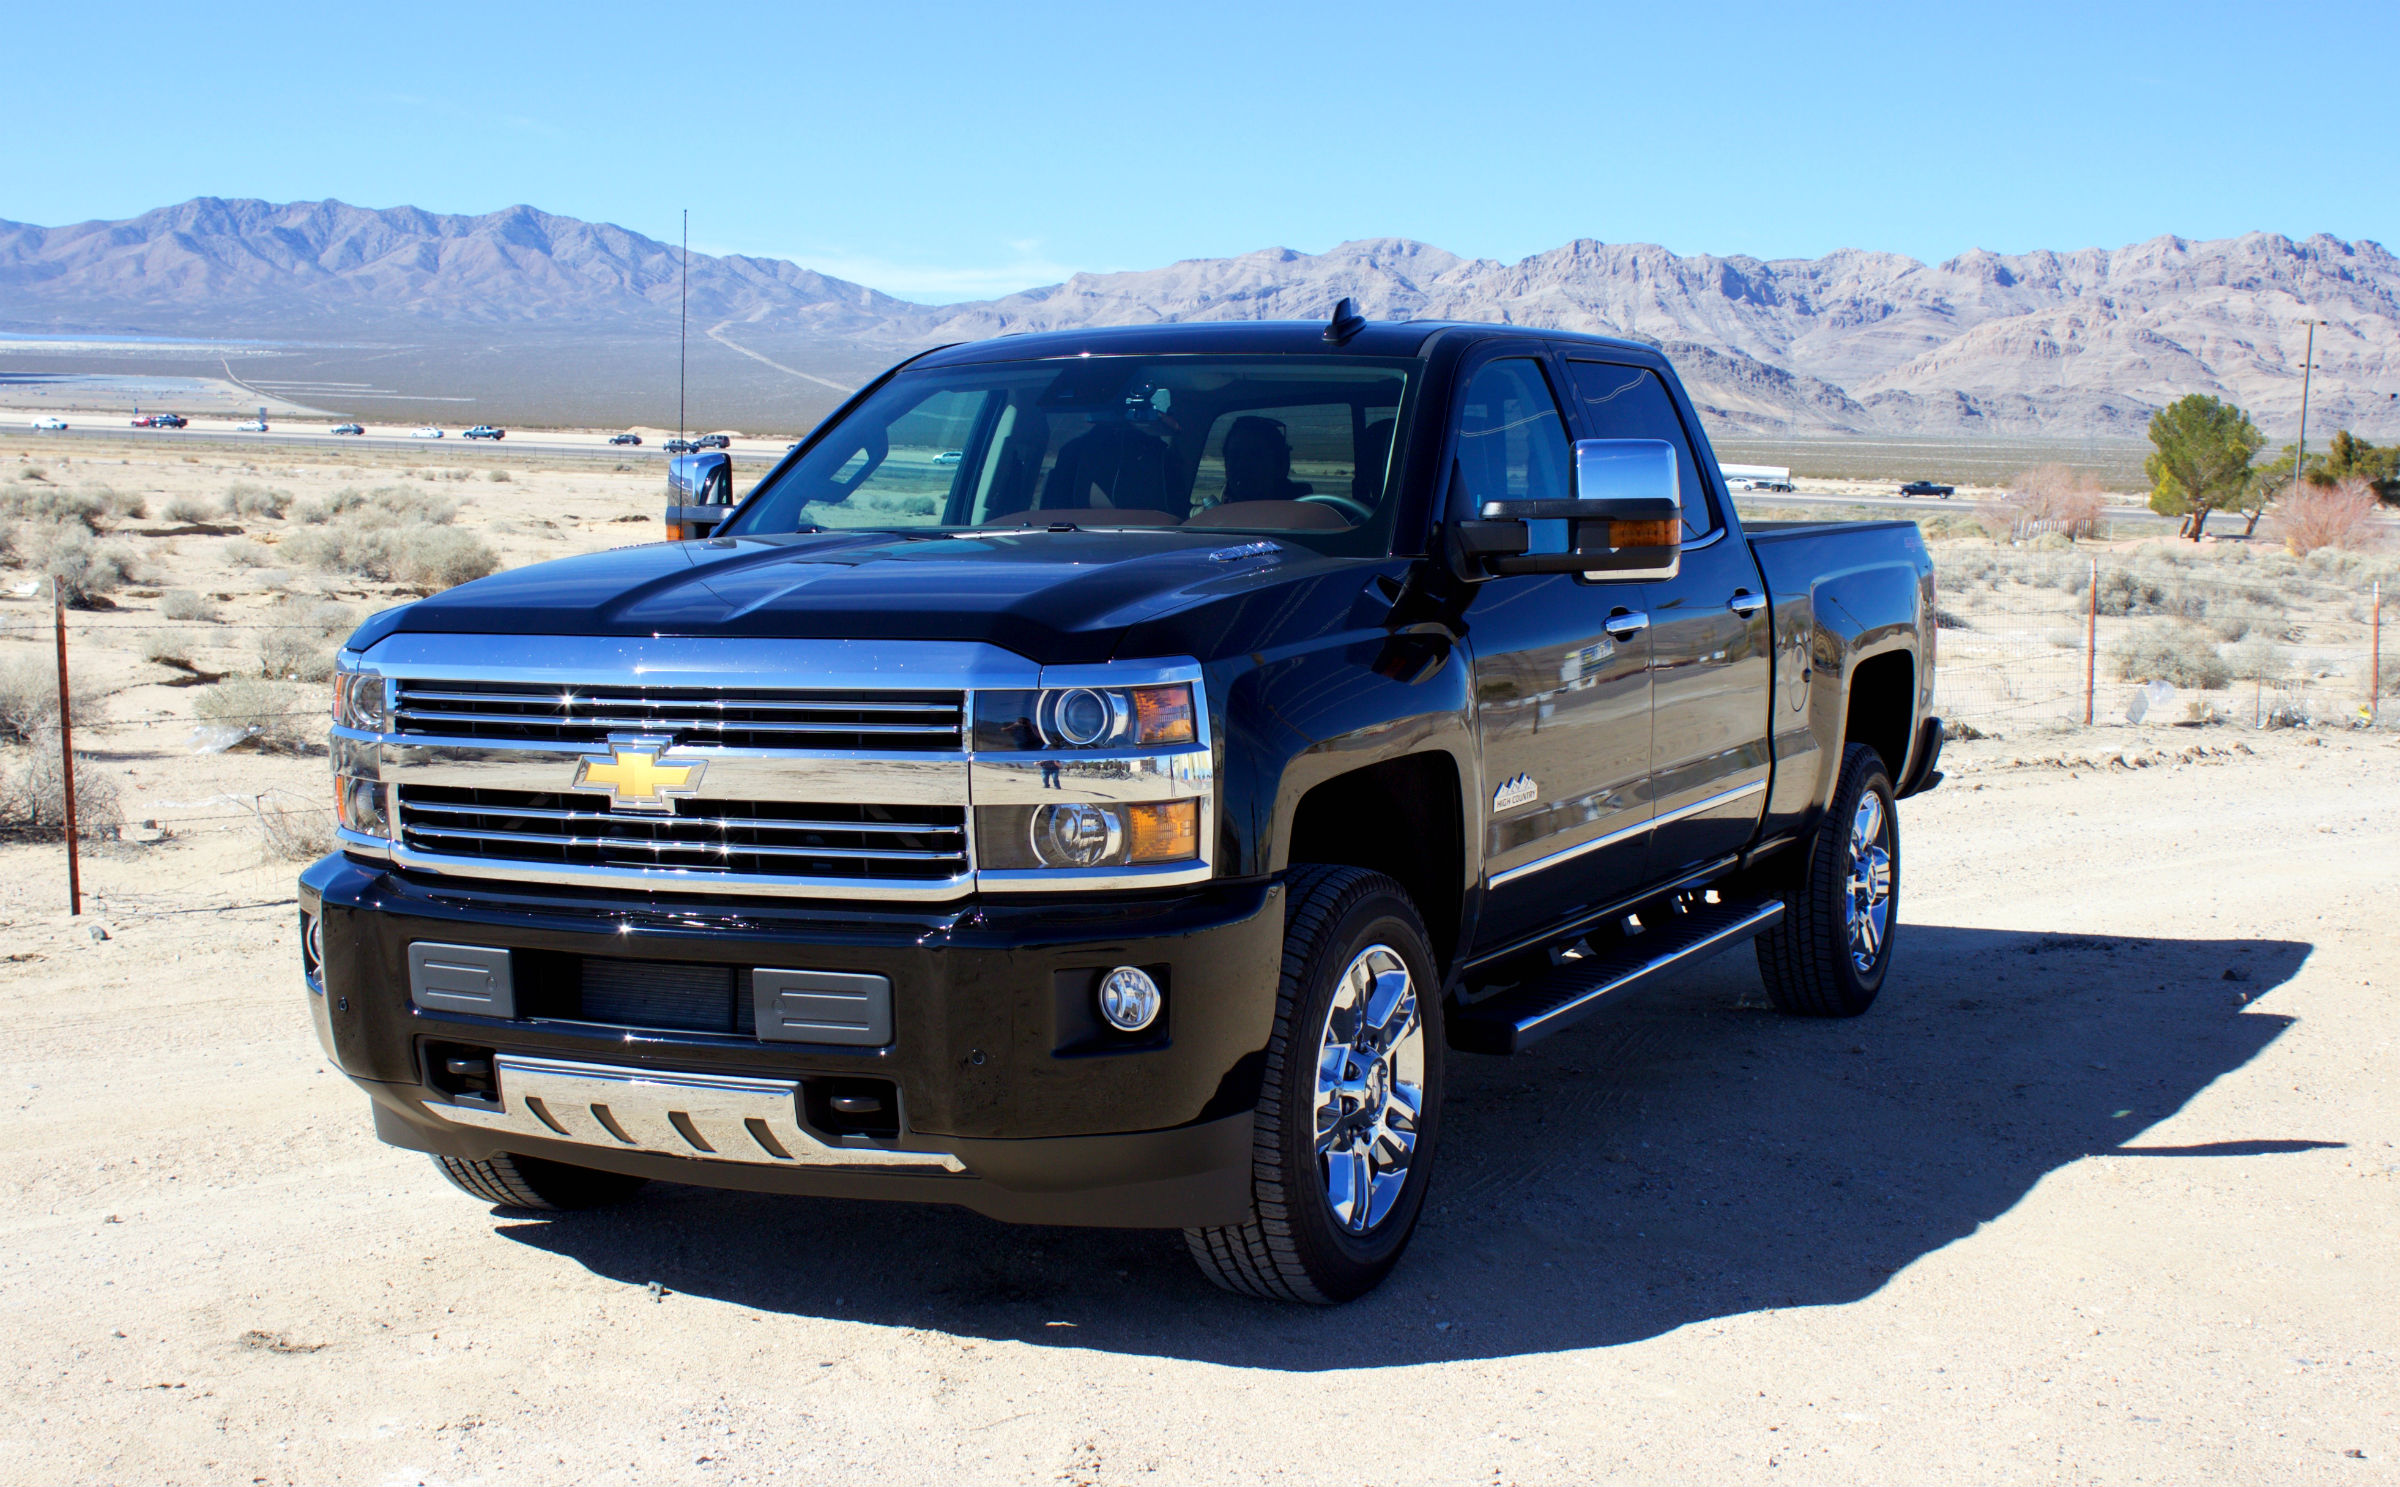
{"points": [[1512, 445]]}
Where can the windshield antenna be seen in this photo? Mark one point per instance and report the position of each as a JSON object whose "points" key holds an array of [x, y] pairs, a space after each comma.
{"points": [[1346, 321], [683, 334]]}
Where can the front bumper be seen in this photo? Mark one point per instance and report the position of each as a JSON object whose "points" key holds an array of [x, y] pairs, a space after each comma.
{"points": [[1008, 1100]]}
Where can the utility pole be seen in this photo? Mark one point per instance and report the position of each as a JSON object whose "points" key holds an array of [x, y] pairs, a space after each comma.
{"points": [[2308, 365], [683, 336]]}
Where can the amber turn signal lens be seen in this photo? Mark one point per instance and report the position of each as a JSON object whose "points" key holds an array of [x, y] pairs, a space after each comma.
{"points": [[1641, 534], [1165, 832], [1162, 715]]}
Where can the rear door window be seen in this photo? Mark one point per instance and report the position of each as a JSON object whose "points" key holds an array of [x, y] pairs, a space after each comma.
{"points": [[1621, 402]]}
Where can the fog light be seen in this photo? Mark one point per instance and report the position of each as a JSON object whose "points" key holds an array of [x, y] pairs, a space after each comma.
{"points": [[1129, 999]]}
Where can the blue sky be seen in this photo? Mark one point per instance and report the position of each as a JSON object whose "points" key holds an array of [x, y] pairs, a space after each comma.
{"points": [[954, 151]]}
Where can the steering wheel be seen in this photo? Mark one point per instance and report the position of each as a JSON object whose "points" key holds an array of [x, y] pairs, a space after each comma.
{"points": [[1358, 511]]}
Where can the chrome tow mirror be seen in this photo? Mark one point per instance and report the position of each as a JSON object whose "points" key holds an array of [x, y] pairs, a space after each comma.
{"points": [[1624, 520], [699, 494]]}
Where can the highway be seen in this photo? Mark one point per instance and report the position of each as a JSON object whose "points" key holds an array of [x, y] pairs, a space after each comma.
{"points": [[314, 433]]}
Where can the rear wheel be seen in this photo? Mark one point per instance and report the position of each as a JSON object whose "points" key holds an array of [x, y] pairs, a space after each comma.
{"points": [[512, 1181], [1350, 1105], [1841, 901]]}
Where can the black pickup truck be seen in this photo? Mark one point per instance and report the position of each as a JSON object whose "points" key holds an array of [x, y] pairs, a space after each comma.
{"points": [[1099, 777]]}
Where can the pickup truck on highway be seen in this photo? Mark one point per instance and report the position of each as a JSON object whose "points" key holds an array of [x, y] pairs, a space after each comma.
{"points": [[1122, 822], [1928, 488]]}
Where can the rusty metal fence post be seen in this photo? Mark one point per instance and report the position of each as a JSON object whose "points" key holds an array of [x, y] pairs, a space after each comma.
{"points": [[66, 748], [2091, 645]]}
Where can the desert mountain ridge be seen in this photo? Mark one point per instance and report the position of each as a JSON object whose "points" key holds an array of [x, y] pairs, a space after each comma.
{"points": [[2042, 343]]}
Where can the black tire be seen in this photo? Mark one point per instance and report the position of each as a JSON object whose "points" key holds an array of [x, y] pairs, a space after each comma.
{"points": [[1293, 1247], [1807, 961], [512, 1181]]}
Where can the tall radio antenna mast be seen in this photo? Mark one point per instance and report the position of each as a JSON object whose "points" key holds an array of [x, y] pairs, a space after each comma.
{"points": [[683, 334]]}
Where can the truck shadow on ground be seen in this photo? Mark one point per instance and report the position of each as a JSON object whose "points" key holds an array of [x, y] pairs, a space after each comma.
{"points": [[1678, 1157]]}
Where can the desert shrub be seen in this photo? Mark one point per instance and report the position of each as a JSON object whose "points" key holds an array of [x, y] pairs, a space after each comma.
{"points": [[33, 800], [29, 702], [383, 506], [2173, 653], [2229, 627], [2257, 661], [244, 553], [497, 477], [87, 572], [50, 506], [2124, 591], [411, 553], [185, 606], [303, 650], [293, 829], [248, 498], [271, 716], [2319, 516], [1945, 620], [188, 509], [170, 647], [32, 472], [2052, 499]]}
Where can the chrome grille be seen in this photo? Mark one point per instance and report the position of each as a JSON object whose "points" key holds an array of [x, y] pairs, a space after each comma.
{"points": [[889, 843], [762, 718]]}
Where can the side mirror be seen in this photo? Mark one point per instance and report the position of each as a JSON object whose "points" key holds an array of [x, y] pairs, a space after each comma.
{"points": [[1624, 520], [699, 494]]}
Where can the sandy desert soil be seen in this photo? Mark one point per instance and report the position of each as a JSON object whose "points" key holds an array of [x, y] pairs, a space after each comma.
{"points": [[2105, 1187]]}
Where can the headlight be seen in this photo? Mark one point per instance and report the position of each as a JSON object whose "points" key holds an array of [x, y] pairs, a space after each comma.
{"points": [[1088, 834], [1116, 717], [359, 704], [358, 700]]}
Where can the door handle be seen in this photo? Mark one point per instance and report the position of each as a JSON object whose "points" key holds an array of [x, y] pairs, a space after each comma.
{"points": [[1626, 626], [1746, 604]]}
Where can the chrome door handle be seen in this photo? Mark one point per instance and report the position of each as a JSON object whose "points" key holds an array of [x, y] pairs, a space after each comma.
{"points": [[1746, 605], [1626, 626]]}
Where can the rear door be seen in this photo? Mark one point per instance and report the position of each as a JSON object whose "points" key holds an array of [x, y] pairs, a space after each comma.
{"points": [[1709, 651], [1563, 703]]}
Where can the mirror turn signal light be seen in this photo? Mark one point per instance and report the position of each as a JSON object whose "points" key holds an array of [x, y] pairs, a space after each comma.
{"points": [[1642, 534]]}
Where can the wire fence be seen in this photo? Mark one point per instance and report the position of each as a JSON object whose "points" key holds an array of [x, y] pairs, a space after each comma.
{"points": [[2032, 639]]}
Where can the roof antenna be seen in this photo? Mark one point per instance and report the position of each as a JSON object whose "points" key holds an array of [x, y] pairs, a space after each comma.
{"points": [[1346, 322], [683, 333]]}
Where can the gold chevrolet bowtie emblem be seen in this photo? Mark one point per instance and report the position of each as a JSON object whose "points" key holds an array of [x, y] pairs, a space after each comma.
{"points": [[636, 778]]}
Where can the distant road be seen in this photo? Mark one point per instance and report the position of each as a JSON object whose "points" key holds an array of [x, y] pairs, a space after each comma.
{"points": [[313, 433], [1922, 505]]}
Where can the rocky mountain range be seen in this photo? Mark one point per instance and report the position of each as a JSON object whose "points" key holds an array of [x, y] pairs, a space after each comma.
{"points": [[572, 314]]}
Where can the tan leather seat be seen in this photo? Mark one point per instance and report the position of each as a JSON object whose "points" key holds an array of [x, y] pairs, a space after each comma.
{"points": [[1285, 516], [1087, 516]]}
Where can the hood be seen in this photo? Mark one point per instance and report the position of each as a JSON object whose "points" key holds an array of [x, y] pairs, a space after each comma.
{"points": [[1053, 597]]}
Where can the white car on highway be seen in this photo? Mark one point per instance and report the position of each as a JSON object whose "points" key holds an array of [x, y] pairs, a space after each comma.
{"points": [[427, 432], [254, 426], [51, 424]]}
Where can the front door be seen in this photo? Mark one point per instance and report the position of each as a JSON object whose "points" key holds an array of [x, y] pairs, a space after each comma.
{"points": [[1562, 681], [1709, 653]]}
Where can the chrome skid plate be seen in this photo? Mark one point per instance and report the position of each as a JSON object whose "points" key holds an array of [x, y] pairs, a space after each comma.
{"points": [[714, 1117]]}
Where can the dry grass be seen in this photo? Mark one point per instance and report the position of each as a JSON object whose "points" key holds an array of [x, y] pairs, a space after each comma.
{"points": [[272, 717], [2179, 654], [33, 799]]}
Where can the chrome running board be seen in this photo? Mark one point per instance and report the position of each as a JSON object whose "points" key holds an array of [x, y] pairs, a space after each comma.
{"points": [[1526, 1014]]}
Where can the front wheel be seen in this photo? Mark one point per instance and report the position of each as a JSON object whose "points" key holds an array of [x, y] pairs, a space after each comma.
{"points": [[511, 1181], [1841, 902], [1350, 1105]]}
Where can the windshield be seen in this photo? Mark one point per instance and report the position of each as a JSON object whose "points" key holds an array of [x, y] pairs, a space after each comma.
{"points": [[1284, 444]]}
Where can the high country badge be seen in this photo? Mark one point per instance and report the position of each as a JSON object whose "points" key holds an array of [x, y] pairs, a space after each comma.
{"points": [[1513, 793]]}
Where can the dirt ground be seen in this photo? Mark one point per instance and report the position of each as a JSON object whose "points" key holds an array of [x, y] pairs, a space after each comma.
{"points": [[2105, 1187]]}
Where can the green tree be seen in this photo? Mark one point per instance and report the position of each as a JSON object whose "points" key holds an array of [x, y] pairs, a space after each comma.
{"points": [[2201, 462], [2353, 456]]}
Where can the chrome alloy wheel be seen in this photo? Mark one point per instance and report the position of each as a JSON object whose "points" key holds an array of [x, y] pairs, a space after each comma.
{"points": [[1870, 889], [1370, 1087]]}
